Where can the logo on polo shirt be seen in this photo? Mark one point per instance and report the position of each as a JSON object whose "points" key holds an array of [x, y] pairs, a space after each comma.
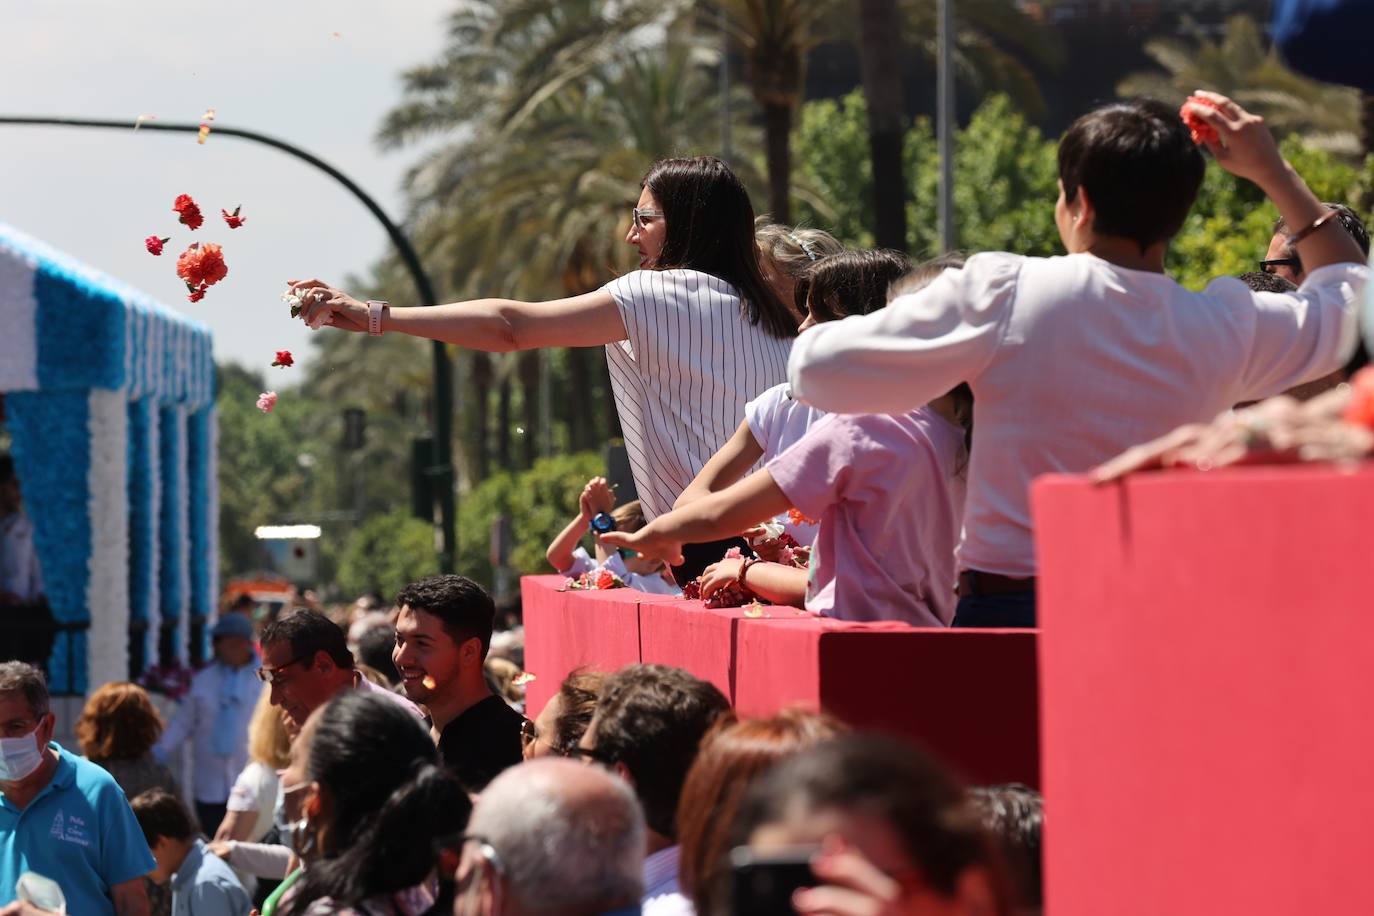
{"points": [[69, 829]]}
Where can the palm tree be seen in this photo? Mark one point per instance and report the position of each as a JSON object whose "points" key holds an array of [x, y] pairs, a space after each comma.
{"points": [[880, 36], [531, 196], [1242, 66]]}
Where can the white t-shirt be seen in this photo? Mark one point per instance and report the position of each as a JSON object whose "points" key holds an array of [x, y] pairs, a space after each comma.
{"points": [[255, 790], [19, 571], [681, 378], [778, 421], [1072, 360]]}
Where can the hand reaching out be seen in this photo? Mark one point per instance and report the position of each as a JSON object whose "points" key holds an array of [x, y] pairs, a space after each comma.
{"points": [[324, 306], [648, 542], [1244, 145]]}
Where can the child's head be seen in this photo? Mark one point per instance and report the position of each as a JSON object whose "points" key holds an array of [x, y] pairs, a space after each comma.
{"points": [[629, 517], [849, 283], [786, 253], [168, 829], [1139, 168]]}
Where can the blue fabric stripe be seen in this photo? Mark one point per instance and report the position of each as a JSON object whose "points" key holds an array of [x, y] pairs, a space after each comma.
{"points": [[51, 446], [171, 522], [80, 332]]}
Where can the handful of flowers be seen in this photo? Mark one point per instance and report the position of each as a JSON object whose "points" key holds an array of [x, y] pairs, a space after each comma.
{"points": [[600, 579], [172, 681], [1201, 131]]}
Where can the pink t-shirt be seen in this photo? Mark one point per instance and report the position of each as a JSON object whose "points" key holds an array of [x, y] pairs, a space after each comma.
{"points": [[889, 494]]}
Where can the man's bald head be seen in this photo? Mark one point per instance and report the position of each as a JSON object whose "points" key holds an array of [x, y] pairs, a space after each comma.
{"points": [[590, 821]]}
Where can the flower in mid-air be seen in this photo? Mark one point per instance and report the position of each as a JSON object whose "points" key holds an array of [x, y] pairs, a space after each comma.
{"points": [[187, 212], [202, 264], [233, 219], [266, 401], [283, 359], [154, 243]]}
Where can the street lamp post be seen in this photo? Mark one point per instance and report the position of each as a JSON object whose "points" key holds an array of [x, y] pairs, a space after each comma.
{"points": [[441, 472]]}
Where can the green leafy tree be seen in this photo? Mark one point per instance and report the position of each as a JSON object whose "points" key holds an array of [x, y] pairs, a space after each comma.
{"points": [[385, 553]]}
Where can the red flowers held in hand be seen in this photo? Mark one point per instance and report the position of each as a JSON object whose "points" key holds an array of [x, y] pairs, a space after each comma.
{"points": [[154, 244], [202, 265], [187, 212], [283, 359], [1201, 131], [233, 219]]}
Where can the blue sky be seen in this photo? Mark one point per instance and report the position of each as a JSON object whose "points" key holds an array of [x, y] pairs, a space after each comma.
{"points": [[275, 67]]}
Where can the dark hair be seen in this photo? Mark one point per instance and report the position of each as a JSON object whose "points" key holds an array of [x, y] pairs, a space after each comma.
{"points": [[1015, 815], [309, 633], [374, 650], [1139, 165], [118, 722], [1344, 215], [629, 517], [6, 467], [652, 718], [160, 813], [888, 779], [577, 698], [710, 227], [465, 608], [391, 799], [1261, 281], [21, 677], [850, 283], [733, 755]]}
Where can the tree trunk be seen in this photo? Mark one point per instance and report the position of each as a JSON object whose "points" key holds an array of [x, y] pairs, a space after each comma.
{"points": [[579, 400], [503, 423], [481, 413], [529, 390], [777, 125], [880, 57]]}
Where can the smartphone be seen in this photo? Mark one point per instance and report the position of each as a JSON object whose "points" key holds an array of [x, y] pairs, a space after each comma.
{"points": [[763, 882]]}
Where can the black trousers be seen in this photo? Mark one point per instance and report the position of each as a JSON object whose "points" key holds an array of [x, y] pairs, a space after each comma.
{"points": [[210, 816]]}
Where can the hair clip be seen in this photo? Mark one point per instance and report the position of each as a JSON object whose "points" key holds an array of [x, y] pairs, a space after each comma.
{"points": [[808, 248]]}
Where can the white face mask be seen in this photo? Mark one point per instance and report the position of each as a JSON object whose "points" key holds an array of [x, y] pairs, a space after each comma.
{"points": [[19, 757]]}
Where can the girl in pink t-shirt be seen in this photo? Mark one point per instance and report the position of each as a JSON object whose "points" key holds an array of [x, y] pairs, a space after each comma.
{"points": [[836, 286], [888, 492]]}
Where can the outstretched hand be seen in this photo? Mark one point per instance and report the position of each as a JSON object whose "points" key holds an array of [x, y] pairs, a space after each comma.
{"points": [[1244, 145], [648, 543], [324, 306]]}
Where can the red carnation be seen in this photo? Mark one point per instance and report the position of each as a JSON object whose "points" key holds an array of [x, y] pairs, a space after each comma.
{"points": [[197, 292], [187, 212], [202, 265], [233, 219], [154, 244], [283, 359], [1201, 131], [605, 579]]}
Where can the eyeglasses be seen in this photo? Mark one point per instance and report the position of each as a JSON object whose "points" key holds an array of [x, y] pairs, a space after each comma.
{"points": [[639, 216], [273, 675], [449, 849], [1269, 266], [529, 732]]}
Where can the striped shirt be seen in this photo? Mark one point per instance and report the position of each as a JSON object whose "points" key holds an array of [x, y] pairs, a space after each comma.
{"points": [[689, 362]]}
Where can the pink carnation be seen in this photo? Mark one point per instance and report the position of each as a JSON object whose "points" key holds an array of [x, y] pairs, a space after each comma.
{"points": [[734, 553], [266, 401]]}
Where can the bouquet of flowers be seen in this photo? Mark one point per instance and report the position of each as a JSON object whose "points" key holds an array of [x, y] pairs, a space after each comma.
{"points": [[172, 681], [599, 579]]}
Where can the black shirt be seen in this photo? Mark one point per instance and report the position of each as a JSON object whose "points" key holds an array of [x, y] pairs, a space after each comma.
{"points": [[482, 742]]}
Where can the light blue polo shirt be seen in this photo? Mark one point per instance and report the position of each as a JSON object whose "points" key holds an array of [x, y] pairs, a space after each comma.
{"points": [[80, 832], [205, 886]]}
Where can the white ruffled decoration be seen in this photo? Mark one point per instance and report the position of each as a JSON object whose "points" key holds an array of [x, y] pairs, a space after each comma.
{"points": [[18, 342], [182, 507], [155, 585], [107, 591]]}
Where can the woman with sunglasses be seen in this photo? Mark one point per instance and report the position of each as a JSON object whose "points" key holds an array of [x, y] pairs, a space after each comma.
{"points": [[375, 801], [690, 336]]}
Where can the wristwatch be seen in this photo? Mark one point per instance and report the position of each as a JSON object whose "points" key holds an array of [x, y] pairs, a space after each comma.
{"points": [[375, 309], [602, 523]]}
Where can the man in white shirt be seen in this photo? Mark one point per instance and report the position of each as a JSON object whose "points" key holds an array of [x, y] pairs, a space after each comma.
{"points": [[215, 715], [1074, 359], [21, 581]]}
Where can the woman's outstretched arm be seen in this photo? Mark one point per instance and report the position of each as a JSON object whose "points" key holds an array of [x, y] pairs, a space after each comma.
{"points": [[493, 325]]}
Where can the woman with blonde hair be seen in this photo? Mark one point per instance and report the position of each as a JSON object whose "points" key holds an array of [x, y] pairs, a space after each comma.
{"points": [[787, 254], [117, 729]]}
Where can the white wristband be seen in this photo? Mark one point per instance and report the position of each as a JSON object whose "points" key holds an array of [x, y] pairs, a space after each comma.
{"points": [[375, 310]]}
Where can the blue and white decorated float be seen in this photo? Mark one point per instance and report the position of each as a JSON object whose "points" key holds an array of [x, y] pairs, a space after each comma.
{"points": [[109, 403]]}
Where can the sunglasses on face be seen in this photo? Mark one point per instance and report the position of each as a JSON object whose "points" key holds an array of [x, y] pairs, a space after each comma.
{"points": [[1271, 265], [641, 217]]}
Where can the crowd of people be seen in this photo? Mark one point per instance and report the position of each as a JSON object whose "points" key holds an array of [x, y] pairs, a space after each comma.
{"points": [[629, 791]]}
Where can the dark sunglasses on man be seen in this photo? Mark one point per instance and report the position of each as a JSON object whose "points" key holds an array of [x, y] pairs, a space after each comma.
{"points": [[1271, 265]]}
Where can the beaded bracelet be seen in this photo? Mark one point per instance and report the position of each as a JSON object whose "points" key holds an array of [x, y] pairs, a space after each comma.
{"points": [[1316, 224]]}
